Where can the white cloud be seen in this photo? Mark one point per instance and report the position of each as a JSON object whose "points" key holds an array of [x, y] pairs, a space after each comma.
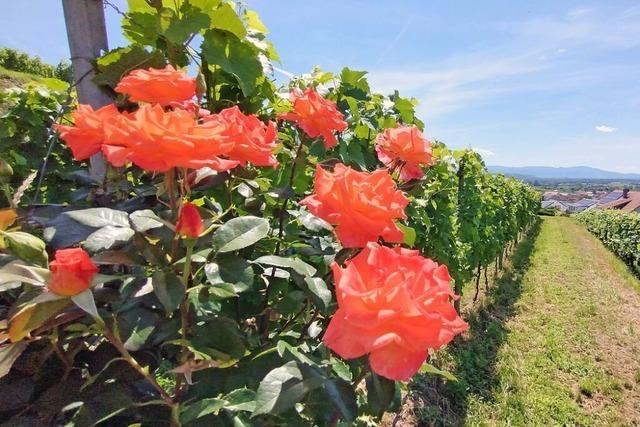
{"points": [[466, 79], [584, 27], [483, 152], [606, 129]]}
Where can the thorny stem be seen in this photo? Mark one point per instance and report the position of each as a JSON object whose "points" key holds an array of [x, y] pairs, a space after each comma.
{"points": [[281, 220], [119, 345]]}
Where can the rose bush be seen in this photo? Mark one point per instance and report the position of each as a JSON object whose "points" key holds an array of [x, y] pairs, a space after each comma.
{"points": [[208, 297]]}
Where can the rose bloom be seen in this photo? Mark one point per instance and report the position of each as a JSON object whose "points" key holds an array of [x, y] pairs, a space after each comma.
{"points": [[362, 205], [189, 221], [253, 141], [158, 140], [85, 137], [158, 86], [71, 272], [316, 116], [404, 147], [393, 305], [191, 107]]}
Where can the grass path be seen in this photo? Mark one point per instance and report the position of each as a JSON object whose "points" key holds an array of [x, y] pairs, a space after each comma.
{"points": [[555, 342]]}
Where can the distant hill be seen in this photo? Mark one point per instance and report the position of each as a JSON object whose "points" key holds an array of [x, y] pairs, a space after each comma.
{"points": [[546, 172]]}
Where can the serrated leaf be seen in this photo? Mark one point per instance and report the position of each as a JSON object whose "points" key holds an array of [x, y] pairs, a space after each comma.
{"points": [[100, 217], [225, 18], [201, 409], [282, 388], [169, 290], [108, 237], [145, 220], [241, 399], [239, 233], [255, 23], [191, 21], [295, 264], [32, 316], [319, 293], [119, 62], [15, 271], [341, 369], [234, 57]]}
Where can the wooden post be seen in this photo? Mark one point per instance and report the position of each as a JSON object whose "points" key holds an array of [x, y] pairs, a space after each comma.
{"points": [[87, 35]]}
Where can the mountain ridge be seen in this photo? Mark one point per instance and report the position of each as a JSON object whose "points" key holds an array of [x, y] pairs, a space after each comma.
{"points": [[550, 172]]}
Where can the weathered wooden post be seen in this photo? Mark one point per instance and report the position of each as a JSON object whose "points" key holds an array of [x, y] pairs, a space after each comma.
{"points": [[87, 35]]}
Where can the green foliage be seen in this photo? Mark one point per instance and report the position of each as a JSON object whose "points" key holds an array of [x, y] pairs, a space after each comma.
{"points": [[25, 136], [618, 230], [15, 60]]}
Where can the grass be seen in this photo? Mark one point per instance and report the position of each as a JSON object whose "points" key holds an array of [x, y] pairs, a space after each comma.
{"points": [[541, 349], [10, 78]]}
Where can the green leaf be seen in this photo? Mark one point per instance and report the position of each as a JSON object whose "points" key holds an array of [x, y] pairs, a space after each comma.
{"points": [[100, 217], [227, 339], [222, 291], [406, 109], [145, 220], [341, 369], [255, 23], [380, 393], [354, 83], [295, 264], [318, 291], [9, 353], [225, 18], [142, 26], [25, 246], [120, 62], [241, 399], [239, 233], [282, 388], [231, 269], [234, 57], [32, 316], [169, 290], [343, 397], [15, 271], [108, 237], [427, 368], [201, 409], [85, 301], [409, 234], [191, 21]]}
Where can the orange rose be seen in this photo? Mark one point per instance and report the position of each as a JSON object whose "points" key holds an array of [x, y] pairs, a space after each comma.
{"points": [[316, 116], [394, 305], [158, 86], [85, 137], [253, 141], [158, 140], [71, 272], [189, 221], [362, 205], [406, 148]]}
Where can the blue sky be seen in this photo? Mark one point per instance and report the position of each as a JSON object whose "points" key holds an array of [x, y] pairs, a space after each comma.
{"points": [[526, 83]]}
